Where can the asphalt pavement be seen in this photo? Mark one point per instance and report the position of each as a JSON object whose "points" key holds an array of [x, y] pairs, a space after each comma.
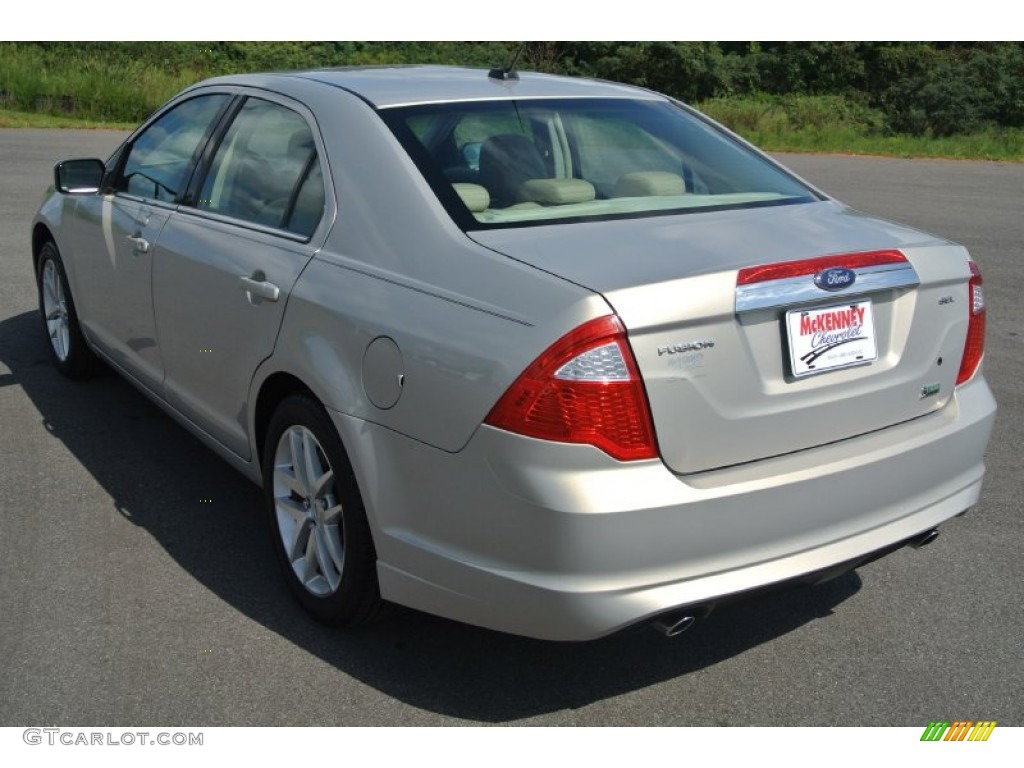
{"points": [[138, 586]]}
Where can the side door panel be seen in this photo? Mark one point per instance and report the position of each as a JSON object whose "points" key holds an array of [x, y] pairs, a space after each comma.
{"points": [[117, 234], [227, 264], [213, 332], [113, 264]]}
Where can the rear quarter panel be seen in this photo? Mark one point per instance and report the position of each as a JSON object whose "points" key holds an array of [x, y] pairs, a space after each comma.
{"points": [[466, 320]]}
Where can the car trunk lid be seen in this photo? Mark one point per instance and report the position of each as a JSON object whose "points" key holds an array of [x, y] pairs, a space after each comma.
{"points": [[728, 353]]}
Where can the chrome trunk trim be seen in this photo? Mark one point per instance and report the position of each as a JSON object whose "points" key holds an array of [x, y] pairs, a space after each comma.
{"points": [[794, 291]]}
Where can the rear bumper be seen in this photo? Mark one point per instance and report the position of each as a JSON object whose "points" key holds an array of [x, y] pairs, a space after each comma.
{"points": [[563, 543]]}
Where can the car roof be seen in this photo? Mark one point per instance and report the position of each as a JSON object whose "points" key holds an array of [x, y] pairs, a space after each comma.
{"points": [[391, 86]]}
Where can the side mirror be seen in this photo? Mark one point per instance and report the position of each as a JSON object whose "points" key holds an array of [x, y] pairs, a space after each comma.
{"points": [[79, 177]]}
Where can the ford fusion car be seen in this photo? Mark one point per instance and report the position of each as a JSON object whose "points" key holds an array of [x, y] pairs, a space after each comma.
{"points": [[546, 355]]}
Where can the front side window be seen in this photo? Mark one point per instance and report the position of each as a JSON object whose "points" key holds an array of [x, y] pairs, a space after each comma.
{"points": [[266, 170], [160, 158], [520, 162]]}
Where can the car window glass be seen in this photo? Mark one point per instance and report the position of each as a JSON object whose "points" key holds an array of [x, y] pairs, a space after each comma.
{"points": [[263, 171], [609, 148], [158, 162], [525, 162], [475, 128], [309, 202]]}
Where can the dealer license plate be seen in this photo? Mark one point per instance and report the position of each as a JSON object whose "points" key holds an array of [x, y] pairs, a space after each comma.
{"points": [[826, 338]]}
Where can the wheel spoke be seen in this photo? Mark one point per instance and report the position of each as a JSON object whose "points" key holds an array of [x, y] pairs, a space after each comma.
{"points": [[331, 515], [293, 508], [49, 289], [286, 476], [300, 539], [321, 483], [297, 458], [325, 558], [63, 340], [309, 571], [334, 545], [311, 468]]}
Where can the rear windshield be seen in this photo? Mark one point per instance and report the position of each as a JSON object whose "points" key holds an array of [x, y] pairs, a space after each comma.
{"points": [[522, 162]]}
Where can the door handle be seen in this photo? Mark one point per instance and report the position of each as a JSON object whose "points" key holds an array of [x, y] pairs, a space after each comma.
{"points": [[141, 244], [257, 288]]}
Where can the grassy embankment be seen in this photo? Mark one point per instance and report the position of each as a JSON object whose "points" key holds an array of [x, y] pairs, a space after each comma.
{"points": [[87, 91], [834, 124]]}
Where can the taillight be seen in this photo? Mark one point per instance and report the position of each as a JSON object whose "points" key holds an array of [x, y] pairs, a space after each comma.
{"points": [[974, 347], [585, 388]]}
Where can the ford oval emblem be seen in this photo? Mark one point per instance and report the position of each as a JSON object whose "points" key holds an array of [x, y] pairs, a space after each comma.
{"points": [[835, 278]]}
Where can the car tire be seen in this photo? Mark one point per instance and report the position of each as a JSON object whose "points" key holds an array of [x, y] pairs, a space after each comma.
{"points": [[316, 514], [67, 345]]}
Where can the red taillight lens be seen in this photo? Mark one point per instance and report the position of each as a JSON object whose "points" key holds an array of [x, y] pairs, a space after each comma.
{"points": [[802, 267], [585, 388], [974, 347]]}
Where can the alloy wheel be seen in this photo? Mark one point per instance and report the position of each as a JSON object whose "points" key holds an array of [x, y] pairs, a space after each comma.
{"points": [[308, 511], [55, 309]]}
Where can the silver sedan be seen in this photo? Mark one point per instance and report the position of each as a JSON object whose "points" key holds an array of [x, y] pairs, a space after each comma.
{"points": [[546, 355]]}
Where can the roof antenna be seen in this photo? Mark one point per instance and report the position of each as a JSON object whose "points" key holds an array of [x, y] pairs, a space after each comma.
{"points": [[509, 72]]}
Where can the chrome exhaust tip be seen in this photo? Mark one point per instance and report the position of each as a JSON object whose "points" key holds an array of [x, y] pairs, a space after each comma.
{"points": [[674, 624], [925, 538]]}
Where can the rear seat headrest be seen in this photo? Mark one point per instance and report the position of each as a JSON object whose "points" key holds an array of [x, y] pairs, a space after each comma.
{"points": [[649, 184], [473, 196], [557, 191]]}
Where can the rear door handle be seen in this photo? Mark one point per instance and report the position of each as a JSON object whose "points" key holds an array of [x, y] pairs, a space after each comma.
{"points": [[141, 243], [257, 288]]}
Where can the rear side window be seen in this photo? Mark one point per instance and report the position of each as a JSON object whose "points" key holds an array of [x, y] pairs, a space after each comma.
{"points": [[266, 170], [160, 158]]}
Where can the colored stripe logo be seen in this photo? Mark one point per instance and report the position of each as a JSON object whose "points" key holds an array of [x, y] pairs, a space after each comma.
{"points": [[960, 730]]}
